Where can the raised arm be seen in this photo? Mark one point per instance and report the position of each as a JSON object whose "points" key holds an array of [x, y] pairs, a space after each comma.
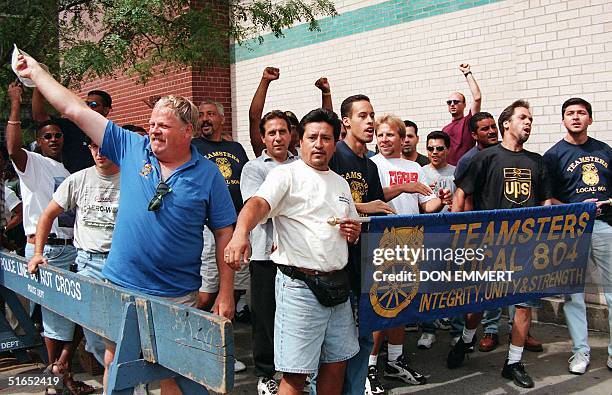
{"points": [[39, 111], [13, 129], [326, 100], [474, 88], [65, 101], [256, 110]]}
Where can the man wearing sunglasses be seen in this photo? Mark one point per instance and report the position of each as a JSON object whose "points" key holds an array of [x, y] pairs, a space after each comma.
{"points": [[75, 153], [461, 139], [40, 174], [156, 246], [94, 194]]}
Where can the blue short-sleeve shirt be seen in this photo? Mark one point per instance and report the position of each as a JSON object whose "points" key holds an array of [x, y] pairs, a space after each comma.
{"points": [[158, 252]]}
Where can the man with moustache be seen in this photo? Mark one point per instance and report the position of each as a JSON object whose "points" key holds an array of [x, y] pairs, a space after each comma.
{"points": [[230, 157], [580, 166], [484, 184], [409, 147], [461, 139], [352, 163], [309, 337], [168, 194], [275, 134]]}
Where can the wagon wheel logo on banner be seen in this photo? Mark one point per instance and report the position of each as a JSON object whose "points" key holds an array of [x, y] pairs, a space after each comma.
{"points": [[387, 298]]}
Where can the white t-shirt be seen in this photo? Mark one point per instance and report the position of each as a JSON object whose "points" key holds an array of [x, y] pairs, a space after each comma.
{"points": [[393, 171], [96, 200], [41, 178], [442, 178], [10, 202], [301, 200]]}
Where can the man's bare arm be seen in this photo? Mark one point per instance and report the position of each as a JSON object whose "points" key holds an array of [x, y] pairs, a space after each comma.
{"points": [[474, 88], [224, 303], [39, 111], [64, 101], [326, 99], [13, 129], [238, 249], [43, 228], [256, 110]]}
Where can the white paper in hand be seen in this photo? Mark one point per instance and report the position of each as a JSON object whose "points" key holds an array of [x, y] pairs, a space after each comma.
{"points": [[25, 81]]}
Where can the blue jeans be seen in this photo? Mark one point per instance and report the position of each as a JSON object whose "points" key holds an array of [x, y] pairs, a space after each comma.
{"points": [[55, 326], [574, 307], [90, 264], [490, 320]]}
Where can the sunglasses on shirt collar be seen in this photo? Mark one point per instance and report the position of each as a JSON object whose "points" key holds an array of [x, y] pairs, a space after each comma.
{"points": [[156, 202]]}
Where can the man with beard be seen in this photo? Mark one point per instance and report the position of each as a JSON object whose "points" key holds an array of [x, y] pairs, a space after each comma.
{"points": [[484, 184], [409, 147], [230, 158], [580, 166], [461, 140]]}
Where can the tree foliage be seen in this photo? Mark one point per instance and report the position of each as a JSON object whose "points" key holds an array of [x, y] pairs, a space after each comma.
{"points": [[140, 37]]}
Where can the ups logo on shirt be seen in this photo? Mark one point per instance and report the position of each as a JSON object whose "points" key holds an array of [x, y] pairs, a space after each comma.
{"points": [[517, 184]]}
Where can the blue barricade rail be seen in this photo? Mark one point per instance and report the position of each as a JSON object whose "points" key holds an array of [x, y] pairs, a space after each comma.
{"points": [[417, 268], [155, 339]]}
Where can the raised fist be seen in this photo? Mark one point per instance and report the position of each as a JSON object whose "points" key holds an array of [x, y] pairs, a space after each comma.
{"points": [[323, 84], [15, 90], [271, 73], [464, 68]]}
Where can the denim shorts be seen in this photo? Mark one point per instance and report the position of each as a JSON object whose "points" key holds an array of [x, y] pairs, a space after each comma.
{"points": [[56, 326], [307, 333], [90, 264]]}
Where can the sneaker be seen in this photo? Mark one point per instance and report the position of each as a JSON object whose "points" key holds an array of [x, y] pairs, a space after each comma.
{"points": [[399, 369], [372, 384], [489, 342], [267, 386], [426, 341], [516, 372], [243, 315], [609, 363], [443, 324], [470, 348], [239, 366], [457, 353], [307, 384], [579, 362]]}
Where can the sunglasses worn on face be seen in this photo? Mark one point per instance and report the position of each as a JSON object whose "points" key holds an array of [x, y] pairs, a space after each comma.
{"points": [[49, 136], [162, 190], [92, 104], [438, 148], [455, 102]]}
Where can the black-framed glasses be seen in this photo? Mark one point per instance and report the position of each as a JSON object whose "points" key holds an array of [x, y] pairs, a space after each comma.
{"points": [[455, 102], [162, 190], [49, 136], [438, 148], [92, 104]]}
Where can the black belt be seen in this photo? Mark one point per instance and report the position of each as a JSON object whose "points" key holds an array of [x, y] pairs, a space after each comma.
{"points": [[52, 241], [301, 273]]}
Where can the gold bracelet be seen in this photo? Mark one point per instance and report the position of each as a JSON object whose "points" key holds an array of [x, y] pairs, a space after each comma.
{"points": [[326, 93], [38, 254], [14, 122]]}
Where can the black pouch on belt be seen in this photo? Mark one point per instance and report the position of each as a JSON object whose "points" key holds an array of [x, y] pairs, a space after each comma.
{"points": [[330, 289]]}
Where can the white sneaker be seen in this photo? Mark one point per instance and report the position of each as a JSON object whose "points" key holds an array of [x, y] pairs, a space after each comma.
{"points": [[141, 389], [239, 366], [426, 341], [609, 363], [267, 386], [579, 362]]}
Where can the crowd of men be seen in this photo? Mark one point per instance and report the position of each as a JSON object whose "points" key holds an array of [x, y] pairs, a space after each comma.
{"points": [[217, 223]]}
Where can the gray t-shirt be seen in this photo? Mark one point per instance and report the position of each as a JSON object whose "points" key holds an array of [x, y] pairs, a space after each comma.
{"points": [[253, 175], [442, 178], [96, 199]]}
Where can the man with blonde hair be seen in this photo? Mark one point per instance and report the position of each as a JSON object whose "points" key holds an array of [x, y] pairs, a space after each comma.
{"points": [[168, 194], [406, 194]]}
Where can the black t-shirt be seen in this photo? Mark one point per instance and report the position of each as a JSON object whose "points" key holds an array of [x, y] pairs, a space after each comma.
{"points": [[581, 172], [422, 160], [75, 154], [498, 178], [230, 158], [362, 177]]}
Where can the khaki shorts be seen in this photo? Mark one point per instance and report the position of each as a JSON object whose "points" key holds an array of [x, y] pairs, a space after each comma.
{"points": [[210, 272]]}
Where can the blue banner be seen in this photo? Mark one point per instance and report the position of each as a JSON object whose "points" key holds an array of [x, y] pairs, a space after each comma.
{"points": [[418, 268]]}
